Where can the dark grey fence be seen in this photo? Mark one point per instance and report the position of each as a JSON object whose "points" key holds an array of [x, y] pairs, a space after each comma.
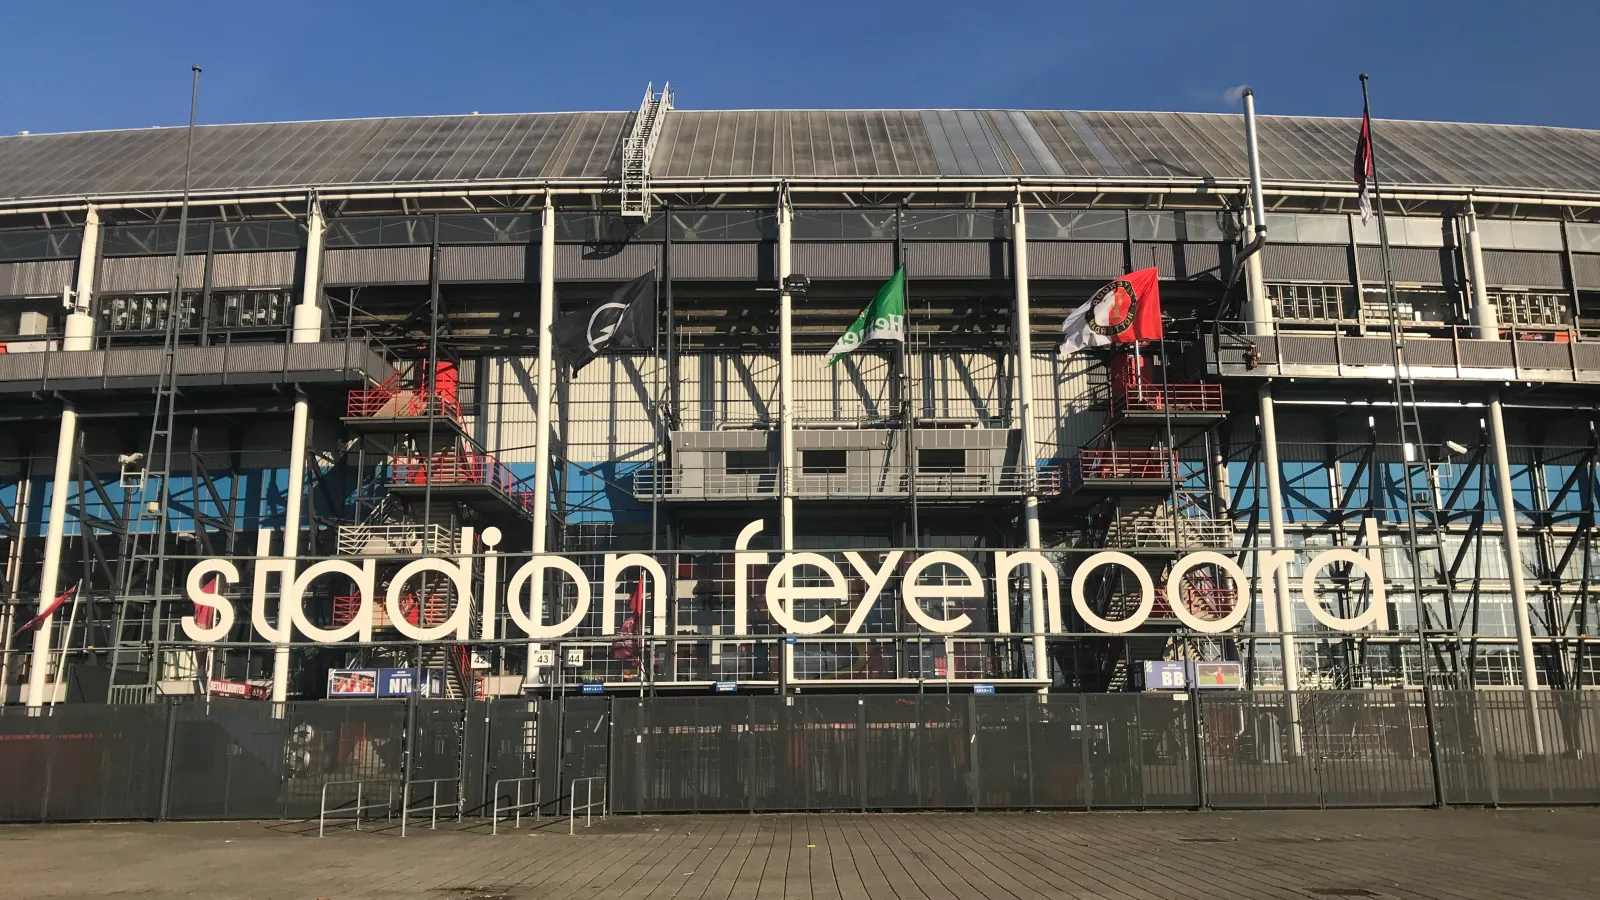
{"points": [[237, 759]]}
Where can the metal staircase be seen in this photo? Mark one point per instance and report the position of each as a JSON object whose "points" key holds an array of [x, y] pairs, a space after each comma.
{"points": [[640, 147]]}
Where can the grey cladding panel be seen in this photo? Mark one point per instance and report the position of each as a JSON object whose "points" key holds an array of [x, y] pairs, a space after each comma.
{"points": [[605, 262], [504, 262], [957, 259], [861, 259], [147, 273], [1523, 268], [724, 260], [271, 269], [1181, 262], [29, 279], [1074, 259], [1586, 272], [1418, 265], [384, 265], [1306, 262]]}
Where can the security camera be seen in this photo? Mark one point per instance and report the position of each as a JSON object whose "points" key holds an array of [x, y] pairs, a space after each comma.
{"points": [[1455, 448]]}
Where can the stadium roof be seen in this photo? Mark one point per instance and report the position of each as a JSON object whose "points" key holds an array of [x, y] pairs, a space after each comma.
{"points": [[800, 144]]}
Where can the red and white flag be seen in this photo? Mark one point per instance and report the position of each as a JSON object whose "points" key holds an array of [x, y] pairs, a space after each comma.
{"points": [[1126, 311], [50, 610], [631, 623], [206, 616], [1363, 167]]}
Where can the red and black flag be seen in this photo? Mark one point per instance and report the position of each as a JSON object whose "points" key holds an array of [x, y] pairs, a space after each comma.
{"points": [[1363, 167], [48, 611]]}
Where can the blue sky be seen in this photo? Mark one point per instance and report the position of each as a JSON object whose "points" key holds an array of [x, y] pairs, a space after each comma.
{"points": [[115, 64]]}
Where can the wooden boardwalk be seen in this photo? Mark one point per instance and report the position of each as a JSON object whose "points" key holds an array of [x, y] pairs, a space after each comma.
{"points": [[1455, 854]]}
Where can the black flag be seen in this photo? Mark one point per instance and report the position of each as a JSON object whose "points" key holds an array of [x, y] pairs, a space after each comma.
{"points": [[627, 321]]}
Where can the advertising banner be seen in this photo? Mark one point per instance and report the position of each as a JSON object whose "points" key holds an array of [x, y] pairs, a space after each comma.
{"points": [[352, 683]]}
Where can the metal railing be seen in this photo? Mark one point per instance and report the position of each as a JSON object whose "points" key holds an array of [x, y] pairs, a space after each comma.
{"points": [[589, 805], [433, 806], [1155, 466], [324, 813], [445, 469], [1431, 352], [1140, 397], [435, 608], [391, 402], [393, 540], [932, 483], [516, 807]]}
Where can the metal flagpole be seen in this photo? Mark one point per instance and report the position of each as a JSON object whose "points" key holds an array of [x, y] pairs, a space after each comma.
{"points": [[907, 404], [1397, 341]]}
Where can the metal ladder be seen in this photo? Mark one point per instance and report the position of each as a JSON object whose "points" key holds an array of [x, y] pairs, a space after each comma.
{"points": [[640, 147], [144, 545]]}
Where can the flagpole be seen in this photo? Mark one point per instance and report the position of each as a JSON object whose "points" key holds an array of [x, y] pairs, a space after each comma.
{"points": [[908, 406], [647, 659], [1396, 341]]}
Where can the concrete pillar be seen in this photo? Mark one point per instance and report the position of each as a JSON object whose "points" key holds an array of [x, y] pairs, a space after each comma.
{"points": [[786, 397], [1028, 455], [79, 336], [786, 375], [1485, 320], [307, 330], [1280, 585], [1512, 535], [1258, 310], [543, 402]]}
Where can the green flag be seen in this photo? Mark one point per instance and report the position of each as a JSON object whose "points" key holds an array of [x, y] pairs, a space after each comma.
{"points": [[883, 319]]}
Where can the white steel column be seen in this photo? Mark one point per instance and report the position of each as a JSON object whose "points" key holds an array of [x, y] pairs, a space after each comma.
{"points": [[1485, 319], [1280, 576], [547, 374], [79, 336], [1258, 310], [307, 330], [1512, 535], [786, 374], [1027, 456], [544, 386]]}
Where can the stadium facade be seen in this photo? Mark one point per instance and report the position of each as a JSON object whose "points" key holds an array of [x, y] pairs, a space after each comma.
{"points": [[360, 361]]}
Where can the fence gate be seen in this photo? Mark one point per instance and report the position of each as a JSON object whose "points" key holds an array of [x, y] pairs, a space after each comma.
{"points": [[574, 741]]}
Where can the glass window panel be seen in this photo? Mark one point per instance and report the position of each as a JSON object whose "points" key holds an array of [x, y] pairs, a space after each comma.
{"points": [[379, 231], [954, 225], [1585, 238], [151, 240], [605, 228], [860, 225], [40, 243], [1077, 225], [494, 228], [1314, 229], [1205, 226], [724, 225], [1494, 234], [1536, 235], [281, 234], [1153, 226]]}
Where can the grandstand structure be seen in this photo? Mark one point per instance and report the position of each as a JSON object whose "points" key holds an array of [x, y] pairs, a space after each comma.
{"points": [[330, 340]]}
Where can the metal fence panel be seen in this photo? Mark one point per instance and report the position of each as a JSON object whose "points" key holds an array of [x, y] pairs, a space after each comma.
{"points": [[227, 760], [1003, 750], [340, 740], [1249, 754], [825, 760], [83, 762], [1496, 747], [510, 738], [1140, 751], [577, 746]]}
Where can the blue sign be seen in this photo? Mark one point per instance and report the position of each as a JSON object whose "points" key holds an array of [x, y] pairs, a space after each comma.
{"points": [[983, 689], [791, 640], [403, 682], [726, 687], [1166, 675], [593, 687]]}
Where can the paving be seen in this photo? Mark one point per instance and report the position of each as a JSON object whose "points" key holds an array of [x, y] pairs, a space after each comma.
{"points": [[1457, 853]]}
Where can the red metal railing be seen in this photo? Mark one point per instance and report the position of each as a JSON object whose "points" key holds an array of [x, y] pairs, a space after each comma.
{"points": [[1154, 398], [393, 402], [1203, 602], [459, 469], [434, 610], [1121, 465]]}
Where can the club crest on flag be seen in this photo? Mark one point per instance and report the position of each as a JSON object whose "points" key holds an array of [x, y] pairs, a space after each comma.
{"points": [[1114, 308]]}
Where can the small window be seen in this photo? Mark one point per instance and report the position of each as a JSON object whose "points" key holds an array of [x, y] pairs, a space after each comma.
{"points": [[748, 462], [941, 460], [823, 462]]}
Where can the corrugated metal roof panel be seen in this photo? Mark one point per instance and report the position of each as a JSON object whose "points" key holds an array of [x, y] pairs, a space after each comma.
{"points": [[791, 143]]}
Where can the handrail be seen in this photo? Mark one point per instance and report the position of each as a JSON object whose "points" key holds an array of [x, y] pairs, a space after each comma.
{"points": [[588, 804], [324, 812], [433, 806], [518, 806]]}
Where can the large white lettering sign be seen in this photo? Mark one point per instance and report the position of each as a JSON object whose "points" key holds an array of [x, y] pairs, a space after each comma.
{"points": [[795, 586]]}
